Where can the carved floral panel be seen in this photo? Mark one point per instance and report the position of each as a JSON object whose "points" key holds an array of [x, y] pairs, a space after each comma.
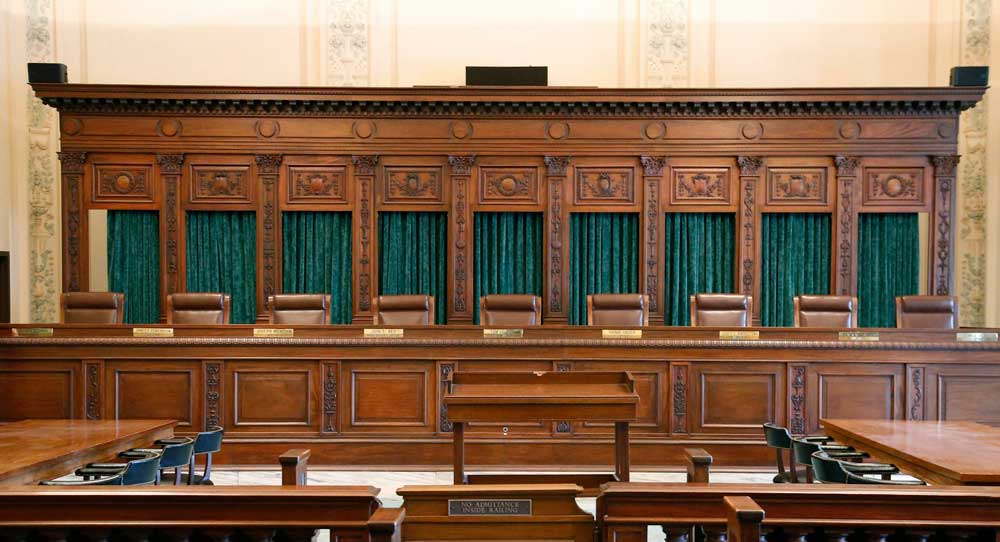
{"points": [[604, 186], [894, 186], [507, 185], [797, 186], [122, 183], [412, 185], [221, 184], [317, 184], [699, 186]]}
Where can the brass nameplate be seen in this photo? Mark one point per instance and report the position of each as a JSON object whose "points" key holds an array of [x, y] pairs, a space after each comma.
{"points": [[33, 332], [383, 332], [977, 337], [489, 507], [503, 333], [621, 333], [739, 335], [152, 332], [271, 332], [858, 336]]}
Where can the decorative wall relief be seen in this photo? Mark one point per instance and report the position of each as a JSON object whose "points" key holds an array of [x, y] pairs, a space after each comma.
{"points": [[347, 44], [317, 184], [608, 186], [893, 186], [412, 185], [699, 186], [122, 184], [213, 184], [508, 185], [666, 44], [796, 186]]}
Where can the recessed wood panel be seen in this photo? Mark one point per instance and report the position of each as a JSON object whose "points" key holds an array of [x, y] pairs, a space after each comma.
{"points": [[216, 184], [512, 429], [699, 186], [892, 187], [729, 398], [968, 397], [316, 184], [164, 395], [849, 390], [413, 185], [36, 394], [508, 185], [122, 183], [278, 397], [389, 397], [797, 186], [604, 186]]}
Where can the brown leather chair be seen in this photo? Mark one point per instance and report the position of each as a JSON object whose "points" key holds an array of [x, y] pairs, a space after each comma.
{"points": [[92, 308], [631, 310], [302, 309], [198, 308], [721, 310], [927, 311], [510, 310], [826, 311], [403, 310]]}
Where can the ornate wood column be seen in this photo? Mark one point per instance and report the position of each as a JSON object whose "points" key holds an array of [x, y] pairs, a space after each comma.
{"points": [[748, 269], [652, 234], [556, 242], [460, 307], [365, 285], [170, 176], [267, 170], [942, 226], [74, 262], [845, 277]]}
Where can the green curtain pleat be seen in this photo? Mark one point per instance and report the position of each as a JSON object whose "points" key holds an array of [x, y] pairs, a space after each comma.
{"points": [[134, 263], [888, 264], [508, 255], [795, 260], [604, 258], [222, 257], [413, 256], [700, 254], [316, 258]]}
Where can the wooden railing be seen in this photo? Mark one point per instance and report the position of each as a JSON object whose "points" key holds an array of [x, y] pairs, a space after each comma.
{"points": [[829, 513]]}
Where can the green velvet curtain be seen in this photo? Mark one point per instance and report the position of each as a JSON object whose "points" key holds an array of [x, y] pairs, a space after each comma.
{"points": [[413, 256], [888, 264], [603, 258], [795, 260], [134, 263], [700, 254], [222, 257], [508, 255], [316, 258]]}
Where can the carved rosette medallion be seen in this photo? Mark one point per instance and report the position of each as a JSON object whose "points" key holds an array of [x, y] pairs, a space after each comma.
{"points": [[893, 186], [508, 185], [221, 185]]}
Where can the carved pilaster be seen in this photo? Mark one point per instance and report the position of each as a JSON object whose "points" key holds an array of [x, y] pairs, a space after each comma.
{"points": [[267, 170], [943, 225], [749, 265], [652, 238], [72, 204], [556, 240], [330, 371], [213, 395], [446, 370], [915, 395], [460, 309], [678, 396], [846, 232], [170, 175], [798, 399], [364, 220], [92, 372]]}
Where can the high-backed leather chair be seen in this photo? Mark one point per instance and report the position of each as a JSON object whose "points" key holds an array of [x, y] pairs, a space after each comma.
{"points": [[721, 310], [299, 309], [403, 310], [630, 310], [510, 310], [826, 311], [198, 308], [92, 308], [927, 311]]}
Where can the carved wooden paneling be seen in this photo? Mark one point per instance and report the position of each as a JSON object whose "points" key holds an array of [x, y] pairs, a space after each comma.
{"points": [[603, 186], [413, 185], [846, 231], [556, 241], [796, 186], [93, 374], [652, 234], [943, 225], [699, 186], [651, 385], [460, 228], [890, 187], [445, 370], [39, 389], [383, 397], [316, 184], [916, 384], [679, 386], [267, 172], [275, 397], [500, 185], [331, 373], [170, 175], [797, 413], [962, 392], [216, 185], [125, 183], [512, 429], [213, 394], [758, 390], [74, 252], [364, 220], [749, 225], [163, 390], [854, 391]]}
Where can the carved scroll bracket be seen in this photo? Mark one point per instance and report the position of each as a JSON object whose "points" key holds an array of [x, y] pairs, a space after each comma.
{"points": [[556, 228], [364, 172], [72, 180], [267, 166], [943, 224], [845, 279], [460, 310]]}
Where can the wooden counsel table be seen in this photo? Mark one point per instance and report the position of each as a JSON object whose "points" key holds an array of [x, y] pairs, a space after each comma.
{"points": [[948, 453], [543, 396], [35, 450]]}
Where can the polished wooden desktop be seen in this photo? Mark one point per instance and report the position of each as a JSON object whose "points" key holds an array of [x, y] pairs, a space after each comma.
{"points": [[939, 452], [541, 396], [35, 450]]}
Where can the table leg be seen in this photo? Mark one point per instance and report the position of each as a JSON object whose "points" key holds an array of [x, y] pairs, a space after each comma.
{"points": [[458, 439], [622, 461]]}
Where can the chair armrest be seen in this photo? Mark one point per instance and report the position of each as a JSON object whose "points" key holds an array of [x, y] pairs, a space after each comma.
{"points": [[836, 448], [847, 455], [819, 440], [95, 471], [175, 440], [857, 479], [870, 468]]}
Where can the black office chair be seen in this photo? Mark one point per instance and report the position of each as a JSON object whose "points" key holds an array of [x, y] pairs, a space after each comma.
{"points": [[174, 455], [116, 480], [780, 438], [137, 472], [205, 443], [830, 470], [802, 451]]}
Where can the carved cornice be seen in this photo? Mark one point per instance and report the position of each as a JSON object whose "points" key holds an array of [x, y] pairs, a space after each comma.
{"points": [[461, 165], [268, 163], [749, 165], [944, 165], [556, 165], [72, 161], [365, 165], [170, 163], [653, 165], [847, 166]]}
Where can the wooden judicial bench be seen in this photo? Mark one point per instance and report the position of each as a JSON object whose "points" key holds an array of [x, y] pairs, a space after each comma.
{"points": [[379, 401]]}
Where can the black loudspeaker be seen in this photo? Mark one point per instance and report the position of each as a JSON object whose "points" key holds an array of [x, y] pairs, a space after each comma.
{"points": [[46, 72], [535, 76], [970, 76]]}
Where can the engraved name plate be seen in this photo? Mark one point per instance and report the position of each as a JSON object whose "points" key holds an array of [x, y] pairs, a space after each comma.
{"points": [[858, 336], [383, 332], [33, 332], [976, 337], [503, 333], [739, 335], [271, 332], [152, 332], [621, 333], [489, 507]]}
